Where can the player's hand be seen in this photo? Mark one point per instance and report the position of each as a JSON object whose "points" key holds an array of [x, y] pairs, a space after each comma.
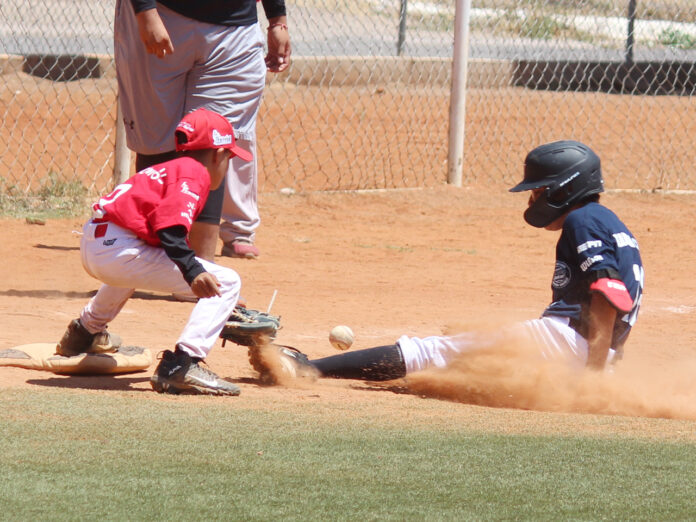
{"points": [[279, 50], [205, 285], [153, 33]]}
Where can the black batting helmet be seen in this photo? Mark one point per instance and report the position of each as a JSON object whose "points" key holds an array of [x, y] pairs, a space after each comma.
{"points": [[569, 170]]}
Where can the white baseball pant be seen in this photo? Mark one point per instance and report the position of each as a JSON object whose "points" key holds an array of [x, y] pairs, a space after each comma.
{"points": [[124, 262], [553, 336]]}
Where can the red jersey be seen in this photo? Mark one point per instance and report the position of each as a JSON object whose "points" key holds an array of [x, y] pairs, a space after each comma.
{"points": [[161, 196]]}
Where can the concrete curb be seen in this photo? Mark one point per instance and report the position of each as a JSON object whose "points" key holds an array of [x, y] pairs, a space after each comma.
{"points": [[358, 70], [651, 78], [654, 78], [62, 67], [304, 70]]}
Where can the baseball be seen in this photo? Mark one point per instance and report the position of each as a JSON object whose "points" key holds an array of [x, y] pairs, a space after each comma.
{"points": [[341, 337]]}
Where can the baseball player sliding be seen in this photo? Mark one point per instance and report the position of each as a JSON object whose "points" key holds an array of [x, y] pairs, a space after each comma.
{"points": [[596, 287], [137, 238]]}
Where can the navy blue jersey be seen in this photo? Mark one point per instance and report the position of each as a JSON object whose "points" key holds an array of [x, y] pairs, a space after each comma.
{"points": [[595, 244]]}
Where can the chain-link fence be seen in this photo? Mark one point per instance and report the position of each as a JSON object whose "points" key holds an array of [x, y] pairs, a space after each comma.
{"points": [[365, 103]]}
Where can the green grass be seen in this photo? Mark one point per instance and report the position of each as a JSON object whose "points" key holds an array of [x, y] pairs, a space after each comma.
{"points": [[674, 38], [540, 14], [536, 24], [75, 455], [677, 10], [53, 198]]}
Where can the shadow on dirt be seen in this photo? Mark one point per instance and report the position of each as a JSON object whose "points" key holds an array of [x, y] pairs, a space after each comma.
{"points": [[96, 382], [114, 382], [47, 294], [56, 247], [58, 294], [391, 387]]}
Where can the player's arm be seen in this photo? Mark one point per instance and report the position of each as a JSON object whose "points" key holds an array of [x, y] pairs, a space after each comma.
{"points": [[602, 317], [152, 31], [279, 50], [173, 239], [609, 297]]}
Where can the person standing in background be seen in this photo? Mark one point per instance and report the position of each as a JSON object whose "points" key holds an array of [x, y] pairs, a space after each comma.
{"points": [[175, 56]]}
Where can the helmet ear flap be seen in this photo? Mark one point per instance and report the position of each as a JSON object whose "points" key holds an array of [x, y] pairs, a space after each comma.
{"points": [[558, 194], [543, 211], [561, 195]]}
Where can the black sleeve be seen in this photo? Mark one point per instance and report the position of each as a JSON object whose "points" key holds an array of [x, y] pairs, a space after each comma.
{"points": [[212, 210], [174, 243], [273, 8], [143, 5]]}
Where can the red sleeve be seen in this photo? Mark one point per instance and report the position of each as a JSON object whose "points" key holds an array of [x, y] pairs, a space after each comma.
{"points": [[615, 292]]}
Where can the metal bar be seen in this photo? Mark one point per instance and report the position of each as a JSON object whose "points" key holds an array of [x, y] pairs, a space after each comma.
{"points": [[455, 156], [630, 39], [122, 157], [402, 27]]}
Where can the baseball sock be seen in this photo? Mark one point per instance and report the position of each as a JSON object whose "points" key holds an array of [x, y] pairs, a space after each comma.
{"points": [[382, 363]]}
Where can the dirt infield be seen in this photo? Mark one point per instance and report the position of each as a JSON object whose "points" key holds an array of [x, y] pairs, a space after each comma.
{"points": [[389, 263]]}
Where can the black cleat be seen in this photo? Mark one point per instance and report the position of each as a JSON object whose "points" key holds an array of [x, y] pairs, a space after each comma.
{"points": [[178, 373]]}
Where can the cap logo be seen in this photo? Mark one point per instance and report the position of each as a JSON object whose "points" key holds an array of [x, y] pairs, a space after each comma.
{"points": [[186, 126], [221, 139]]}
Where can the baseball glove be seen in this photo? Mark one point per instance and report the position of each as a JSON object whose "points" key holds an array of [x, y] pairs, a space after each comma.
{"points": [[251, 328]]}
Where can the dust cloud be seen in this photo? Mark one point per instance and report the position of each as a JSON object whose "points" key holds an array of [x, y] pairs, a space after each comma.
{"points": [[512, 375]]}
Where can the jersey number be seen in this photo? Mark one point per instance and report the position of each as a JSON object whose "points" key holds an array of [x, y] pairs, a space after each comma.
{"points": [[639, 275], [119, 191]]}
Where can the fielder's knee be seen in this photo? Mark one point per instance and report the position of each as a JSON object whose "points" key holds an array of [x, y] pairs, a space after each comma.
{"points": [[229, 280]]}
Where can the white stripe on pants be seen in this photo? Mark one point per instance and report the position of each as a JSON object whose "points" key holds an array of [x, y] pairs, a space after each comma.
{"points": [[123, 262], [553, 336], [240, 211]]}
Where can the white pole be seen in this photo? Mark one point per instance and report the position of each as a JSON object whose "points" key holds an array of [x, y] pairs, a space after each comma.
{"points": [[122, 156], [455, 158], [270, 305]]}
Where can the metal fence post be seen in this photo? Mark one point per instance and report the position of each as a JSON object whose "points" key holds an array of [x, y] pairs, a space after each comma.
{"points": [[630, 38], [402, 27], [455, 155], [121, 152]]}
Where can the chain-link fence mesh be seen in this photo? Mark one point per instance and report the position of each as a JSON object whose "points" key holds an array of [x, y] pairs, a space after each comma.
{"points": [[365, 103], [617, 75]]}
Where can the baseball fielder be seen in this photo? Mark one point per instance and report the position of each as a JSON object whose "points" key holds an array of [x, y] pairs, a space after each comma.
{"points": [[596, 287], [137, 238]]}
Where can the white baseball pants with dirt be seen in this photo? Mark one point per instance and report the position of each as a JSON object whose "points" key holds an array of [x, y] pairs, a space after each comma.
{"points": [[218, 67], [124, 263], [553, 336]]}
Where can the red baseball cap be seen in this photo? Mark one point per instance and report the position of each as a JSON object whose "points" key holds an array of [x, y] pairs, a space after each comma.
{"points": [[205, 129]]}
